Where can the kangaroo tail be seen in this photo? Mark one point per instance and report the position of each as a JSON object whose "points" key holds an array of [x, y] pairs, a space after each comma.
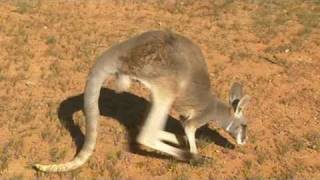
{"points": [[104, 67]]}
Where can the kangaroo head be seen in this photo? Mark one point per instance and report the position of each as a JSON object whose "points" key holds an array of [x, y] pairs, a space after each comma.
{"points": [[237, 125]]}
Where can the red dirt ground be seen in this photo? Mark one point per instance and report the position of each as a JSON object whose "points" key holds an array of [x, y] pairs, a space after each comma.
{"points": [[48, 47]]}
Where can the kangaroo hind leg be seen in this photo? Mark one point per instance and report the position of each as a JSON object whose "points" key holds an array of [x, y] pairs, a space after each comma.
{"points": [[152, 134]]}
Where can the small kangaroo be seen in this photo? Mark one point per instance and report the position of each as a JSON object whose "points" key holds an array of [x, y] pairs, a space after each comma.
{"points": [[174, 70]]}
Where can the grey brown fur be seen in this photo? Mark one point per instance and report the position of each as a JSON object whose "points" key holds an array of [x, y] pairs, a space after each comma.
{"points": [[174, 70]]}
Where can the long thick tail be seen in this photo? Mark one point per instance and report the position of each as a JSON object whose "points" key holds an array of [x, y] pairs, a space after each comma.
{"points": [[99, 73]]}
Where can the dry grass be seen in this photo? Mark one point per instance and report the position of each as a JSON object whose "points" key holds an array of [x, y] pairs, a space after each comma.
{"points": [[48, 47]]}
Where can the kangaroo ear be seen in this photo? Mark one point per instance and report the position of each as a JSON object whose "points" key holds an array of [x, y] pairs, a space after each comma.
{"points": [[235, 95], [242, 104]]}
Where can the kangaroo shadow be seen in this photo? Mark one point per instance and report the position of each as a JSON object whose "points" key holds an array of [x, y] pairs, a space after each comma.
{"points": [[131, 111]]}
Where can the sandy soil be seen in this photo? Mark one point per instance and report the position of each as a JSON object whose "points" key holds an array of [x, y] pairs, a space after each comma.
{"points": [[48, 47]]}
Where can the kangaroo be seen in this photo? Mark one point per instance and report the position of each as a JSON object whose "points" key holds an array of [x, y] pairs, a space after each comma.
{"points": [[173, 68]]}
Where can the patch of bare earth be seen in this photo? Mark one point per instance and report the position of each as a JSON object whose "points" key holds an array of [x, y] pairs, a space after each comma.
{"points": [[48, 47]]}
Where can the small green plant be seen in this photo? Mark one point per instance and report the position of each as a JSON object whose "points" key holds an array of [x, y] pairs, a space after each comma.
{"points": [[172, 165], [246, 170], [46, 135], [57, 154], [114, 173], [181, 175], [261, 154], [282, 148], [2, 76], [16, 144], [140, 164], [75, 174], [285, 173], [114, 156], [16, 177], [309, 19], [263, 25], [313, 139], [27, 114], [111, 161], [4, 157], [23, 6], [298, 143], [51, 40]]}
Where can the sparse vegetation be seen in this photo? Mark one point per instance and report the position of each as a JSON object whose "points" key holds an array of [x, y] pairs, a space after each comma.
{"points": [[282, 147], [48, 47], [2, 77], [57, 154], [298, 143], [4, 158], [23, 6], [313, 138], [51, 40], [16, 177], [113, 156], [272, 16], [181, 176], [285, 173], [246, 170]]}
